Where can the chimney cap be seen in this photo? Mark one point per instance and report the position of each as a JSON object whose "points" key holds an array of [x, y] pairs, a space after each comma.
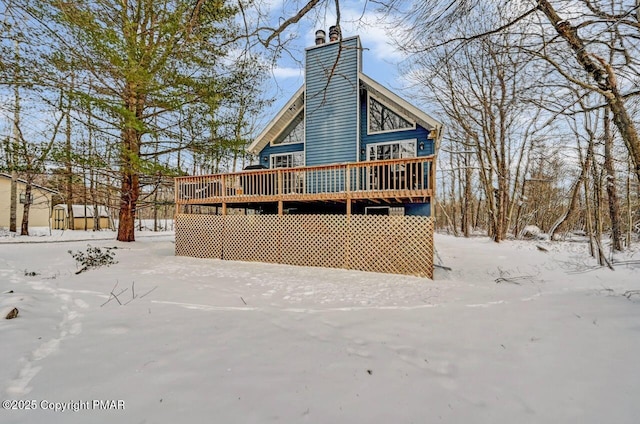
{"points": [[334, 33], [320, 34]]}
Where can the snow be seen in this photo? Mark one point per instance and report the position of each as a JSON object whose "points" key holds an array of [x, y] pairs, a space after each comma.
{"points": [[511, 334]]}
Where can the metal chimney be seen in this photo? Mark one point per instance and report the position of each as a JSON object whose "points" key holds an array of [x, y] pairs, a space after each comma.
{"points": [[320, 34], [334, 33]]}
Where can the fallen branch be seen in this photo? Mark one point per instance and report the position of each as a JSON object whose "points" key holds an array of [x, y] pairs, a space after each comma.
{"points": [[148, 292], [514, 280], [629, 293], [114, 296], [446, 268], [133, 293]]}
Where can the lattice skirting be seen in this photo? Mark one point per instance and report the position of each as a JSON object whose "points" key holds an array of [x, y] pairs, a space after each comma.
{"points": [[389, 244]]}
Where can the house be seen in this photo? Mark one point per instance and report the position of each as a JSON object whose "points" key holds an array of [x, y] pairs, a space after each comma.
{"points": [[83, 218], [342, 146], [40, 200]]}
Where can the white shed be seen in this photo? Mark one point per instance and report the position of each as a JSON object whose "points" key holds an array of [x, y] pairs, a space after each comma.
{"points": [[83, 218]]}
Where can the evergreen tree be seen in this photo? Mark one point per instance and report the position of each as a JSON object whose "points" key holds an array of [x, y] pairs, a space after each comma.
{"points": [[137, 64]]}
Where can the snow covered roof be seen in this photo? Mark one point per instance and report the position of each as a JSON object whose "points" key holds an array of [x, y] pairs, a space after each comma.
{"points": [[79, 210], [22, 181]]}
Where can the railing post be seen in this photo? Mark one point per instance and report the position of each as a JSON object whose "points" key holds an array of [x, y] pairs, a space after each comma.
{"points": [[176, 193], [347, 179], [431, 175], [223, 187], [347, 189]]}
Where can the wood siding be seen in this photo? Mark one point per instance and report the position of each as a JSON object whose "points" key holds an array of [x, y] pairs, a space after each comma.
{"points": [[331, 102], [278, 149], [38, 212], [419, 133]]}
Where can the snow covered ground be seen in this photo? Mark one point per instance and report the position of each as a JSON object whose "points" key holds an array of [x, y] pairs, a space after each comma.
{"points": [[511, 334]]}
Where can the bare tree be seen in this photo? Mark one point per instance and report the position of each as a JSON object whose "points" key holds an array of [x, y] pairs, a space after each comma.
{"points": [[483, 87], [580, 39]]}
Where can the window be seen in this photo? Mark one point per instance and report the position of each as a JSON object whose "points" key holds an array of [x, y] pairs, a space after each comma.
{"points": [[23, 198], [287, 160], [382, 119], [292, 181], [392, 150], [296, 135], [384, 210], [397, 176]]}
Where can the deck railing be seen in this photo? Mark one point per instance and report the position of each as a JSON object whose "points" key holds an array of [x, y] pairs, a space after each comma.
{"points": [[409, 177]]}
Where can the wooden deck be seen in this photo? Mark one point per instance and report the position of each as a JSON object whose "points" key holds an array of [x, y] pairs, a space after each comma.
{"points": [[387, 181]]}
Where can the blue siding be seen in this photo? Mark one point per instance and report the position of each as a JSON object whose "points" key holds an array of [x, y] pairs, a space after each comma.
{"points": [[282, 148], [420, 133], [331, 110]]}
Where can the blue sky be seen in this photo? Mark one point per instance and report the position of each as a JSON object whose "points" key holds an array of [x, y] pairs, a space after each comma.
{"points": [[380, 57]]}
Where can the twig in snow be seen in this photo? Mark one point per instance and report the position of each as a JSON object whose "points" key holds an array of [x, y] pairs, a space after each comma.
{"points": [[109, 299], [543, 249], [515, 280], [506, 280], [133, 293], [116, 295], [148, 292], [243, 300], [440, 260], [626, 262], [630, 293]]}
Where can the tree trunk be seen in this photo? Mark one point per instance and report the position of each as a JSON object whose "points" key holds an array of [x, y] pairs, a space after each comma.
{"points": [[130, 157], [575, 191], [155, 205], [13, 208], [128, 200], [604, 76], [468, 202], [24, 227], [612, 191], [68, 164]]}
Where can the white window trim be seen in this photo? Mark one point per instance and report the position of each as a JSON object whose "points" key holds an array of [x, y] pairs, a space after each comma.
{"points": [[274, 155], [383, 143], [385, 104]]}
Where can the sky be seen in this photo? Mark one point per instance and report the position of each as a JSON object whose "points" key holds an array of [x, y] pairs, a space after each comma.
{"points": [[380, 57]]}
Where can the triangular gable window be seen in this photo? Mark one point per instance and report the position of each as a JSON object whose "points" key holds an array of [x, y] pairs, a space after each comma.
{"points": [[296, 135], [382, 118]]}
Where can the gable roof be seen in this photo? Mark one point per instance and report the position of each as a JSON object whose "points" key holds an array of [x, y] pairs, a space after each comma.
{"points": [[20, 180], [278, 124], [296, 104]]}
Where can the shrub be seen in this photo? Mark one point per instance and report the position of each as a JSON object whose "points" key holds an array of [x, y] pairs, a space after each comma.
{"points": [[94, 257]]}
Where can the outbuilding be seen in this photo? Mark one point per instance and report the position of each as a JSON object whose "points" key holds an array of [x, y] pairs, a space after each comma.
{"points": [[40, 201], [83, 218]]}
